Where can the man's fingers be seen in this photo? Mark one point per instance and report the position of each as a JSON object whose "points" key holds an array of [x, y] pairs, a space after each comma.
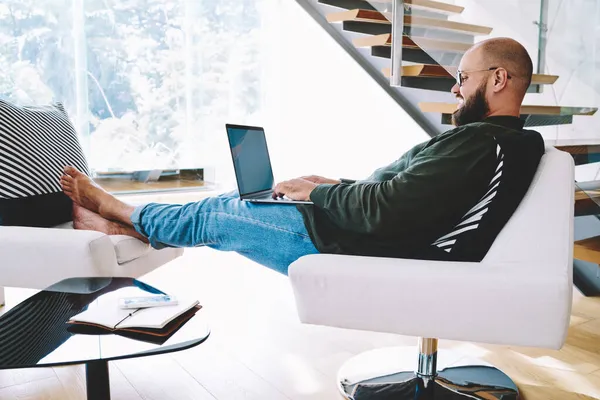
{"points": [[278, 191]]}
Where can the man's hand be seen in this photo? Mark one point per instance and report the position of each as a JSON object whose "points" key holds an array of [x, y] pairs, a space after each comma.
{"points": [[320, 179], [295, 189]]}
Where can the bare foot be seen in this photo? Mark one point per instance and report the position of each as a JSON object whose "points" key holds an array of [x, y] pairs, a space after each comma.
{"points": [[85, 219], [81, 189]]}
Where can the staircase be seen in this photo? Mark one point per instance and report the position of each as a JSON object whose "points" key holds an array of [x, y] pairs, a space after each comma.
{"points": [[432, 46]]}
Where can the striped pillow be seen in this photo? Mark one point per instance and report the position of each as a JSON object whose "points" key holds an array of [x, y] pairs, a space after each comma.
{"points": [[36, 142]]}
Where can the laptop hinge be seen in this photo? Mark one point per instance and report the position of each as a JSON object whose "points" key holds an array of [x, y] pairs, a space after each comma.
{"points": [[258, 195]]}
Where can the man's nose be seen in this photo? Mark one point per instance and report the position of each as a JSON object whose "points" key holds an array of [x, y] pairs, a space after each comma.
{"points": [[455, 89]]}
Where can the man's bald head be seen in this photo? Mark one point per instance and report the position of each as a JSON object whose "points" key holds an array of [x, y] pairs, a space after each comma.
{"points": [[493, 78], [508, 54]]}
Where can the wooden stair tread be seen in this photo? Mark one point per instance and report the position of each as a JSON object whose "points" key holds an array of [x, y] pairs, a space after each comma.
{"points": [[413, 43], [427, 5], [587, 250], [543, 79], [422, 22], [587, 189], [450, 72], [434, 5], [449, 108], [581, 195], [437, 6], [579, 149], [358, 15]]}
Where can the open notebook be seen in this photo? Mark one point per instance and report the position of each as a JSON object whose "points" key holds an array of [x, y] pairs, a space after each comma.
{"points": [[160, 321]]}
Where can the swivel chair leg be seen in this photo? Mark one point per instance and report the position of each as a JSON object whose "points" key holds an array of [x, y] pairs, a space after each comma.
{"points": [[382, 374]]}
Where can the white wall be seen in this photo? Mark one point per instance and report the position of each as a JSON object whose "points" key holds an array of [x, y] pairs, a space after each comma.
{"points": [[334, 119]]}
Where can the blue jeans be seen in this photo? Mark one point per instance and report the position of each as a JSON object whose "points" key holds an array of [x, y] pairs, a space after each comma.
{"points": [[273, 235]]}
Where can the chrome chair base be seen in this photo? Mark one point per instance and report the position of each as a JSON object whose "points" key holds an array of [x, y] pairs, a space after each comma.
{"points": [[386, 374]]}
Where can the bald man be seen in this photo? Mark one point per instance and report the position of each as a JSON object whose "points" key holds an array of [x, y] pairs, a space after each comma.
{"points": [[445, 199]]}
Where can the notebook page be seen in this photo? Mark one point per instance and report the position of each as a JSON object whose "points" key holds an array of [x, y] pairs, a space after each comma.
{"points": [[157, 317]]}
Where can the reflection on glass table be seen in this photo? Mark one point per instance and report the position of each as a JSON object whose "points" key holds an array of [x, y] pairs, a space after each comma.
{"points": [[35, 333]]}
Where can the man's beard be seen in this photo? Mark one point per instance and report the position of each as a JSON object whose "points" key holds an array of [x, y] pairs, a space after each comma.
{"points": [[473, 110]]}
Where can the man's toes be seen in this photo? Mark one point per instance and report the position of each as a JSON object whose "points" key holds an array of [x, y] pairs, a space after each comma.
{"points": [[66, 179], [66, 186], [71, 171]]}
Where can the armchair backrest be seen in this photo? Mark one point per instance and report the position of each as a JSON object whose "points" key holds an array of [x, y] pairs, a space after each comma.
{"points": [[539, 235]]}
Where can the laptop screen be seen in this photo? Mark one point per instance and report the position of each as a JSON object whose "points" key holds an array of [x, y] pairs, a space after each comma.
{"points": [[250, 158]]}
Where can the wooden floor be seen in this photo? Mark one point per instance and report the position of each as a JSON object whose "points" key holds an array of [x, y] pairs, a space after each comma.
{"points": [[259, 350]]}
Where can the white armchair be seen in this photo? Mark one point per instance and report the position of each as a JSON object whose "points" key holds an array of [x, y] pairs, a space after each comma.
{"points": [[39, 257], [519, 294]]}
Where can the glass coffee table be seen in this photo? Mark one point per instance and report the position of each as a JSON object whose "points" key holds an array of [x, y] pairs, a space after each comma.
{"points": [[35, 333]]}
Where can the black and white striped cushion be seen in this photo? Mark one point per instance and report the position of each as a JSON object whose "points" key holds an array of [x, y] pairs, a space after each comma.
{"points": [[36, 143]]}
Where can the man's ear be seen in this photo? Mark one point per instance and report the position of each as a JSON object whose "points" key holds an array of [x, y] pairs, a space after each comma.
{"points": [[500, 79]]}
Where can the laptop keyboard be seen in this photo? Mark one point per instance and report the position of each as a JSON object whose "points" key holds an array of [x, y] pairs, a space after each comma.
{"points": [[282, 199]]}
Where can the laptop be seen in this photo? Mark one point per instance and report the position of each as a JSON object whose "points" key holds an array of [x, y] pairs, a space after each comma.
{"points": [[252, 165]]}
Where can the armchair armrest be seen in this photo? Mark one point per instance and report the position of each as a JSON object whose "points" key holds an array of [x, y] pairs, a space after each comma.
{"points": [[39, 257], [504, 304]]}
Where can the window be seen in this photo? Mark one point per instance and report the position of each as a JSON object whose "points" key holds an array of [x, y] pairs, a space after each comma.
{"points": [[148, 83]]}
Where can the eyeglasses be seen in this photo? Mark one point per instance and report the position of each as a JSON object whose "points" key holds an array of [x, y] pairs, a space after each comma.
{"points": [[460, 79]]}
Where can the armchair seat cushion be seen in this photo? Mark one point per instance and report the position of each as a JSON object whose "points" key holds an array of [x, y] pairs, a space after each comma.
{"points": [[480, 302]]}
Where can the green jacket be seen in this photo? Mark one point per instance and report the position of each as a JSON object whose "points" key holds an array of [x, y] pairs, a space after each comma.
{"points": [[402, 208]]}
